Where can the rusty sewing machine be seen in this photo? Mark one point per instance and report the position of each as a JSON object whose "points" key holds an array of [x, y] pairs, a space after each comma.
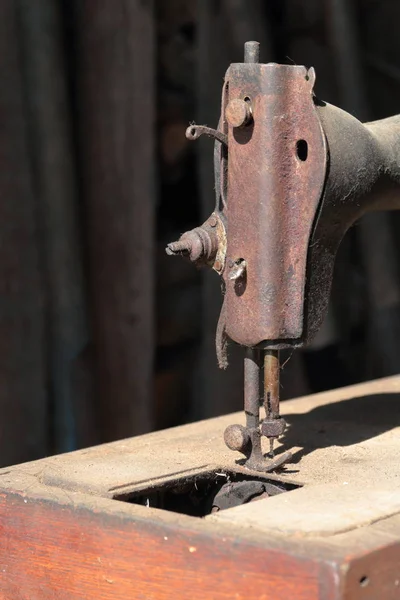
{"points": [[319, 520], [292, 174]]}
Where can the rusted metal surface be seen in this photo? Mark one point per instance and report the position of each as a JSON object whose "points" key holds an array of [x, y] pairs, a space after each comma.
{"points": [[238, 113], [250, 105], [252, 374], [248, 439], [252, 52], [271, 383], [202, 244], [193, 132], [284, 210], [238, 437], [273, 425], [273, 194]]}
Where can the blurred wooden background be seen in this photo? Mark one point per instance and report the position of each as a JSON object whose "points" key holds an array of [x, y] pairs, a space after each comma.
{"points": [[102, 335]]}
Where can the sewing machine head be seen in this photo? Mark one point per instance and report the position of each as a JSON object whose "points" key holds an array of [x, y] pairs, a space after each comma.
{"points": [[292, 174]]}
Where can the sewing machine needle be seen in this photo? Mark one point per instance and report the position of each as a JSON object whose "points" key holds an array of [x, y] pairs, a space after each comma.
{"points": [[271, 447]]}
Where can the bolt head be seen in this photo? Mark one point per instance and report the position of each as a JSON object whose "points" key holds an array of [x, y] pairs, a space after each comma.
{"points": [[273, 428], [238, 270], [238, 113]]}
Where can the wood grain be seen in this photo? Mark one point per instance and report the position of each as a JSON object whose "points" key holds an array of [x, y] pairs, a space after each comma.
{"points": [[54, 176], [23, 376], [50, 551], [375, 576], [62, 536], [116, 102]]}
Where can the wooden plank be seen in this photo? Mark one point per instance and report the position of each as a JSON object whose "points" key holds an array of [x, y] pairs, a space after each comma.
{"points": [[321, 510], [354, 462], [85, 544], [376, 575], [56, 188], [102, 549], [23, 393], [116, 83]]}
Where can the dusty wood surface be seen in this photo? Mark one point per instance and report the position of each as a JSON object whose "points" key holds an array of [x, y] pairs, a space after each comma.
{"points": [[336, 540], [345, 448]]}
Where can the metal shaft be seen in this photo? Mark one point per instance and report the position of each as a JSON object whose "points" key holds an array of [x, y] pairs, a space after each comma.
{"points": [[271, 388], [252, 361], [271, 383], [252, 371], [251, 52]]}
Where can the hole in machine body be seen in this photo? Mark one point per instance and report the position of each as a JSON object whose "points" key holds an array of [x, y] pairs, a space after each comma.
{"points": [[302, 150], [207, 492]]}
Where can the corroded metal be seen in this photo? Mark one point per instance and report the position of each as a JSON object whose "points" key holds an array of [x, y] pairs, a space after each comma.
{"points": [[247, 440], [238, 112], [283, 204], [193, 132], [202, 244], [273, 426], [273, 196]]}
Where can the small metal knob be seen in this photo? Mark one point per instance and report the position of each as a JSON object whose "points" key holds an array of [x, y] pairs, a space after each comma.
{"points": [[236, 437], [238, 113]]}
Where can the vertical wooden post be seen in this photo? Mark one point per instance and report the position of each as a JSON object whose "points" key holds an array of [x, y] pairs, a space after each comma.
{"points": [[56, 189], [23, 394], [116, 84]]}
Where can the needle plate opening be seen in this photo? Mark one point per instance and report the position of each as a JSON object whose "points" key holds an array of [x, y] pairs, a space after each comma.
{"points": [[207, 492]]}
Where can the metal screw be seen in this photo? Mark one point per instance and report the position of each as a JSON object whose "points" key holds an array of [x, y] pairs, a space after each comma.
{"points": [[238, 269], [178, 247], [238, 113]]}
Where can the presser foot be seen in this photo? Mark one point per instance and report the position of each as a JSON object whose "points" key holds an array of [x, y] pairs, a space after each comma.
{"points": [[248, 442], [267, 465]]}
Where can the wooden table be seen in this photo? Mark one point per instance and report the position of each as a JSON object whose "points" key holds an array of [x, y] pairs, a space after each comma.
{"points": [[66, 533]]}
